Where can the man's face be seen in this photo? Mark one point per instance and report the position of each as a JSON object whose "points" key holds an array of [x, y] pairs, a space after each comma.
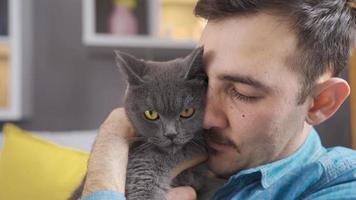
{"points": [[252, 115]]}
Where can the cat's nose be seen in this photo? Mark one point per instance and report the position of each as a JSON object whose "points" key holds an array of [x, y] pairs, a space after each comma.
{"points": [[170, 136]]}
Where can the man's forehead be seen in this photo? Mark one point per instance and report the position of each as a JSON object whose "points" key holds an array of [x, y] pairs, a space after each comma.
{"points": [[254, 41], [266, 21], [253, 31]]}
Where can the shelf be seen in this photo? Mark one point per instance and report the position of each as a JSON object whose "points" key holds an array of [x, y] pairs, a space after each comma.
{"points": [[10, 115], [15, 61], [106, 40], [159, 25]]}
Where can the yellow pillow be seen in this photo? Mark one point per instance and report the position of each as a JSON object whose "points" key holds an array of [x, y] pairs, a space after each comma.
{"points": [[34, 169]]}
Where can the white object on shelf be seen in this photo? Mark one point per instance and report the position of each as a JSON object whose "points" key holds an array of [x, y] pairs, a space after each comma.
{"points": [[92, 38], [19, 41], [4, 40]]}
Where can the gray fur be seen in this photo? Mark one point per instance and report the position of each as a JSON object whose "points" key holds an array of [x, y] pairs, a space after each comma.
{"points": [[168, 88]]}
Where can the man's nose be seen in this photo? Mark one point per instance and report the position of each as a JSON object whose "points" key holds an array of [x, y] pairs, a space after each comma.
{"points": [[214, 115]]}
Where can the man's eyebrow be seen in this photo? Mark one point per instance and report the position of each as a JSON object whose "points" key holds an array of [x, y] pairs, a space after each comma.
{"points": [[245, 80]]}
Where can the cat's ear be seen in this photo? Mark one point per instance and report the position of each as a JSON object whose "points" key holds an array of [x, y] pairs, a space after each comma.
{"points": [[195, 64], [131, 66]]}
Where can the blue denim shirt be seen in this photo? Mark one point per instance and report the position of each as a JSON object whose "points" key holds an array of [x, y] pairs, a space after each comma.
{"points": [[105, 195], [312, 172]]}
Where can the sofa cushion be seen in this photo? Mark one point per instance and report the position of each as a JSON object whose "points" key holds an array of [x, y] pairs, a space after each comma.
{"points": [[34, 169], [77, 139]]}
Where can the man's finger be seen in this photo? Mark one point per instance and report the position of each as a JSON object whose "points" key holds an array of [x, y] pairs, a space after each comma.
{"points": [[182, 193], [117, 120]]}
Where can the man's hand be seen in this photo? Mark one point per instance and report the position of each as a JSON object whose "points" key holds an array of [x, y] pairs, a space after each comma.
{"points": [[182, 193], [108, 160], [117, 124]]}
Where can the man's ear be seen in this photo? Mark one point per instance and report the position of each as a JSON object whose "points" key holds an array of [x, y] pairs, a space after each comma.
{"points": [[327, 96]]}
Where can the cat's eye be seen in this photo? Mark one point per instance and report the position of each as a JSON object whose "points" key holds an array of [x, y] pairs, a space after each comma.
{"points": [[151, 115], [186, 113]]}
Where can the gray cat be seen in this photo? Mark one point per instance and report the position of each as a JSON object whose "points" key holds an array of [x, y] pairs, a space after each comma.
{"points": [[164, 102]]}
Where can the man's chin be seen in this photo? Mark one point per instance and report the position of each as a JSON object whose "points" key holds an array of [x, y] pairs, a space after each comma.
{"points": [[220, 167]]}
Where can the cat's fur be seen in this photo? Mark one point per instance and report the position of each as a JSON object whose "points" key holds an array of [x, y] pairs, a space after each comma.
{"points": [[167, 88]]}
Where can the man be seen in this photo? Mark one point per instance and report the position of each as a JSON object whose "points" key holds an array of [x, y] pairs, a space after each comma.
{"points": [[272, 67]]}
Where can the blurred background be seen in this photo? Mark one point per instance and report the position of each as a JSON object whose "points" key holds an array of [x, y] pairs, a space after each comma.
{"points": [[57, 67]]}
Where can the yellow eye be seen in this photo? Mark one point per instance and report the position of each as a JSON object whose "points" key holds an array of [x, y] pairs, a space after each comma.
{"points": [[186, 113], [151, 115]]}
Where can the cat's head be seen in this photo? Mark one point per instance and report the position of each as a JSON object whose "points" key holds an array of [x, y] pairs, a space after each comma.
{"points": [[165, 100]]}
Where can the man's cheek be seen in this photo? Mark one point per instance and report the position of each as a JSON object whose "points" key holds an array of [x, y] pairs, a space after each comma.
{"points": [[262, 127]]}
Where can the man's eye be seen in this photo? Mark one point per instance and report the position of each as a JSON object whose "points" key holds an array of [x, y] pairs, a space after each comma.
{"points": [[235, 95]]}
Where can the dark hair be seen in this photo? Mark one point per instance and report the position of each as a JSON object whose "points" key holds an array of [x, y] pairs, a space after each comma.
{"points": [[325, 31]]}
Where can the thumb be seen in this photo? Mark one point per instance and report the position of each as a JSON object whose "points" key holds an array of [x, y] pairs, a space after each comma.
{"points": [[182, 193]]}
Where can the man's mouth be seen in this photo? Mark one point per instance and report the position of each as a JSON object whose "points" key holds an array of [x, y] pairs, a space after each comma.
{"points": [[217, 143]]}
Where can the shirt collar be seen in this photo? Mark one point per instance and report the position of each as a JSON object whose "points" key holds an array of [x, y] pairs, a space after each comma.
{"points": [[271, 172]]}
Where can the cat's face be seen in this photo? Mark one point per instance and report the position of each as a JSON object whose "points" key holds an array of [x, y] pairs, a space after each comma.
{"points": [[165, 100]]}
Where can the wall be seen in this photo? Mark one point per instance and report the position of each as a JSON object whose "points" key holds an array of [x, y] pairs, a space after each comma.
{"points": [[75, 87]]}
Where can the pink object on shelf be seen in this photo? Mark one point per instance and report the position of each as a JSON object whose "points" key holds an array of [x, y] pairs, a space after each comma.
{"points": [[122, 21]]}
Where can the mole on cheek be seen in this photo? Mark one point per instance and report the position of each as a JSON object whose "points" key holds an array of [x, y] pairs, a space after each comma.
{"points": [[243, 115]]}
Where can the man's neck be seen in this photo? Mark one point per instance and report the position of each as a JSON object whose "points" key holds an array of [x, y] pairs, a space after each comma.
{"points": [[295, 143]]}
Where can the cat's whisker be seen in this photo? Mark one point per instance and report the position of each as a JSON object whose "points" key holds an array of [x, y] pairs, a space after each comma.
{"points": [[143, 147], [156, 140], [200, 146], [195, 143]]}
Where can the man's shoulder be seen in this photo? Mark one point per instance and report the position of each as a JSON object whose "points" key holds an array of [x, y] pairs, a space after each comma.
{"points": [[336, 162], [338, 159], [335, 151], [338, 175]]}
